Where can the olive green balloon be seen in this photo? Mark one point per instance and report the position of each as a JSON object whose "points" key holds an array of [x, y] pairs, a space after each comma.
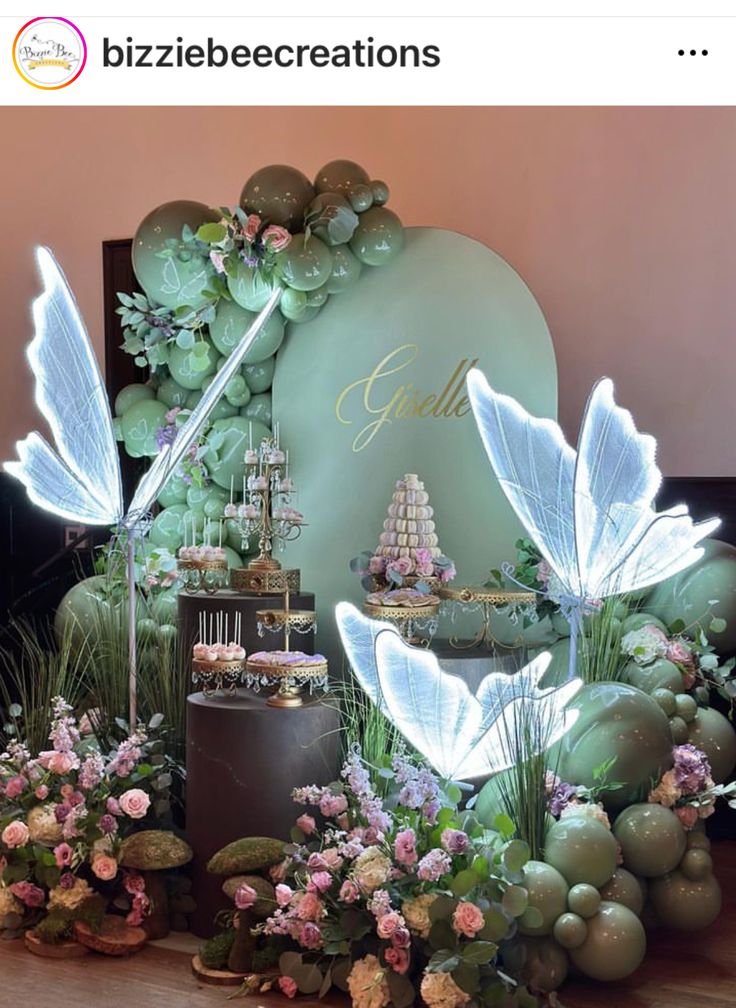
{"points": [[174, 492], [181, 279], [713, 734], [584, 900], [146, 629], [696, 864], [248, 288], [172, 394], [638, 620], [361, 197], [305, 264], [380, 192], [180, 365], [582, 850], [679, 729], [168, 528], [620, 723], [547, 891], [165, 606], [340, 176], [570, 930], [139, 424], [259, 408], [378, 238], [624, 887], [279, 194], [130, 395], [232, 322], [697, 839], [687, 708], [686, 904], [226, 443], [666, 700], [703, 590], [260, 376], [659, 674], [167, 633], [615, 944], [651, 837], [346, 269], [539, 962]]}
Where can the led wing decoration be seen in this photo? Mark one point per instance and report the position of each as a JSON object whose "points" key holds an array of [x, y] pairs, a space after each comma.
{"points": [[463, 735]]}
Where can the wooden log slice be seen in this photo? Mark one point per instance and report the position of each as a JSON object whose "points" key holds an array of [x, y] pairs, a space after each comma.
{"points": [[115, 937], [219, 978], [54, 950]]}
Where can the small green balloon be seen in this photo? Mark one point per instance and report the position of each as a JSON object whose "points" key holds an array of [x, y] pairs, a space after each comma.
{"points": [[638, 620], [193, 522], [172, 394], [165, 606], [168, 527], [235, 388], [340, 176], [380, 192], [582, 850], [220, 411], [547, 891], [697, 840], [305, 264], [231, 324], [687, 708], [174, 492], [624, 887], [279, 194], [293, 304], [248, 288], [199, 497], [146, 629], [685, 904], [378, 238], [346, 268], [659, 674], [309, 313], [316, 298], [679, 729], [260, 376], [130, 395], [615, 944], [226, 443], [361, 197], [696, 864], [167, 633], [584, 900], [666, 700], [713, 734], [139, 425], [570, 930], [181, 365], [214, 505], [651, 837], [259, 408]]}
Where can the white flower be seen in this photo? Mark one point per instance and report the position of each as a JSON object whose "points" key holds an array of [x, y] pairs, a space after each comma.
{"points": [[645, 644], [372, 869], [8, 903], [367, 984], [43, 827]]}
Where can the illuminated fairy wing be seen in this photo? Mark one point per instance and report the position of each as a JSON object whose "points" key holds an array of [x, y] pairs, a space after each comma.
{"points": [[80, 480], [170, 458], [358, 635], [536, 469]]}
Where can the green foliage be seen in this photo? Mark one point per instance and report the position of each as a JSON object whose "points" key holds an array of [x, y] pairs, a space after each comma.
{"points": [[216, 951], [601, 657], [363, 724]]}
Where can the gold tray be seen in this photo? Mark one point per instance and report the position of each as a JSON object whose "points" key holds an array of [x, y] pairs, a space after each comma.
{"points": [[401, 613], [489, 596]]}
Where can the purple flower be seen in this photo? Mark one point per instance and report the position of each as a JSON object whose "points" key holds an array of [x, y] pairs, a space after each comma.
{"points": [[61, 812], [454, 841], [108, 824], [692, 770], [433, 865], [67, 881], [310, 936], [559, 794], [405, 847]]}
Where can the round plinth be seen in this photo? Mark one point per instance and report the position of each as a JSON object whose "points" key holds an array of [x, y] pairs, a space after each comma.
{"points": [[243, 759]]}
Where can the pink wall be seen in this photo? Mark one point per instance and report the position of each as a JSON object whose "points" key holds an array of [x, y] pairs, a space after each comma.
{"points": [[622, 221]]}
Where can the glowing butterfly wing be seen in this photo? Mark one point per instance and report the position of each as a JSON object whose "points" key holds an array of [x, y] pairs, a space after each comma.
{"points": [[170, 458], [536, 469], [622, 545], [358, 634], [81, 479]]}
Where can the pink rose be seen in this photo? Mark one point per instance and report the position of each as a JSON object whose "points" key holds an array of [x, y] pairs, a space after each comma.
{"points": [[62, 763], [287, 985], [332, 804], [15, 834], [332, 859], [425, 570], [349, 892], [467, 919], [28, 893], [397, 958], [448, 574], [283, 894], [134, 803], [306, 824], [252, 227], [41, 792], [659, 635], [405, 847], [401, 566], [15, 787], [277, 872], [245, 897], [105, 867], [389, 923], [376, 565], [316, 862], [322, 881], [63, 855], [310, 936], [401, 938], [423, 557], [309, 907], [277, 238], [134, 883]]}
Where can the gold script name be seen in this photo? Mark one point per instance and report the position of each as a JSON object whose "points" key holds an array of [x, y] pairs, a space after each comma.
{"points": [[381, 399]]}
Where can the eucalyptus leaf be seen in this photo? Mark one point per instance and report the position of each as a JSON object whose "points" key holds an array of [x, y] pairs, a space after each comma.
{"points": [[441, 935], [515, 900], [464, 881], [496, 926], [479, 952], [443, 961], [401, 990]]}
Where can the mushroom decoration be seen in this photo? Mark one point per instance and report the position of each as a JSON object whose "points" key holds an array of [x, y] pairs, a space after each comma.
{"points": [[259, 903], [152, 853]]}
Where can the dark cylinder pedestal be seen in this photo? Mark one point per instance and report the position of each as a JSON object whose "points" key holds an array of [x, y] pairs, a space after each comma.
{"points": [[243, 759]]}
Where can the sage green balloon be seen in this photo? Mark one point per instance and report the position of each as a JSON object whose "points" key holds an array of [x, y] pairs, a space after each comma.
{"points": [[659, 674], [168, 527], [172, 394], [686, 904], [279, 194], [180, 365], [310, 312], [687, 708], [615, 944], [560, 625], [318, 297], [539, 962], [293, 304], [181, 279], [231, 324], [679, 729], [582, 850], [259, 408], [260, 376], [232, 536], [193, 522], [305, 264], [165, 606], [558, 670], [236, 390], [226, 443], [696, 864], [83, 612], [197, 497], [380, 192], [547, 891], [361, 197], [174, 492], [570, 930], [378, 238], [346, 269], [620, 723], [584, 900], [697, 839], [130, 395], [139, 425], [651, 837], [666, 700], [248, 288], [624, 887], [713, 734], [638, 620], [340, 176], [220, 411], [691, 595]]}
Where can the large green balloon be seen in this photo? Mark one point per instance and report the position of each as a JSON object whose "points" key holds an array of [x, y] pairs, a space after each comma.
{"points": [[547, 890], [180, 365], [558, 670], [220, 411], [83, 611], [378, 238], [619, 723], [174, 492], [624, 887], [305, 264], [231, 324], [713, 734], [638, 620], [691, 595], [171, 393], [615, 944], [199, 497], [279, 194], [582, 850], [346, 269], [260, 376], [139, 425], [684, 904], [180, 279], [659, 674], [248, 288], [340, 176], [226, 444], [259, 408], [168, 528], [538, 962], [652, 839], [130, 395]]}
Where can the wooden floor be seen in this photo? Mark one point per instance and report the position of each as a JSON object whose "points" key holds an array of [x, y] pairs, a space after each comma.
{"points": [[680, 971]]}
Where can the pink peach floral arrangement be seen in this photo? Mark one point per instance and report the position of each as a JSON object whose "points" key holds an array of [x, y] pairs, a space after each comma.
{"points": [[688, 787]]}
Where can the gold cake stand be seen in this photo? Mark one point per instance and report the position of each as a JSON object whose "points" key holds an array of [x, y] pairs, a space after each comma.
{"points": [[416, 624], [217, 675], [202, 575], [487, 601], [290, 679]]}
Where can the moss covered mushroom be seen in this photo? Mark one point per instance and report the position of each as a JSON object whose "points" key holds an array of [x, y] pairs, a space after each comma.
{"points": [[152, 853]]}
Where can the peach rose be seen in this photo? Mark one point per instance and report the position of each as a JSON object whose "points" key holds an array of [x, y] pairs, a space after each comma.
{"points": [[105, 867], [467, 919], [134, 803], [15, 834]]}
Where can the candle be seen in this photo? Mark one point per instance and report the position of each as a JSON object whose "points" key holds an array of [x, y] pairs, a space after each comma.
{"points": [[232, 482], [250, 434], [220, 542]]}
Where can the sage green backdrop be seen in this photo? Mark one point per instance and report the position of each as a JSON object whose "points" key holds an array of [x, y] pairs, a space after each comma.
{"points": [[415, 326]]}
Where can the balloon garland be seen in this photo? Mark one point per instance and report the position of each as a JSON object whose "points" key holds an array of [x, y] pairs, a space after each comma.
{"points": [[205, 274]]}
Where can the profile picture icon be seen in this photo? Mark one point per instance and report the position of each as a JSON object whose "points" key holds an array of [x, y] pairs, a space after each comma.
{"points": [[49, 52]]}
